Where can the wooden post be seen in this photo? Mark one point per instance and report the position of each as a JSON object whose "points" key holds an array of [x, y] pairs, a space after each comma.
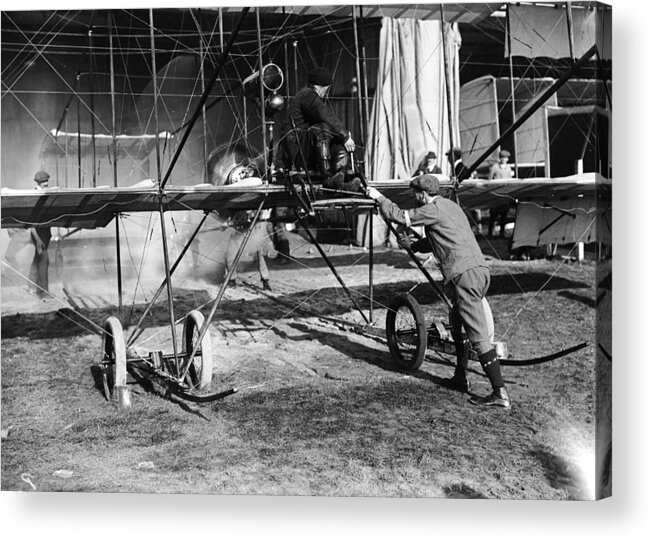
{"points": [[447, 84], [515, 139], [570, 27], [358, 74], [92, 105], [161, 210], [263, 112]]}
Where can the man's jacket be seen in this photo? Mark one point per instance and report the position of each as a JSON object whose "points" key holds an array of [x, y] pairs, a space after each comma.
{"points": [[447, 229], [308, 109]]}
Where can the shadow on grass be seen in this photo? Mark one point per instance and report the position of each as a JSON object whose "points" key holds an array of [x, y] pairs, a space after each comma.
{"points": [[560, 473], [358, 351], [327, 301], [582, 299]]}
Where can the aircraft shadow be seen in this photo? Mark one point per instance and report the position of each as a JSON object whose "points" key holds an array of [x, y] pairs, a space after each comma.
{"points": [[325, 302], [582, 299]]}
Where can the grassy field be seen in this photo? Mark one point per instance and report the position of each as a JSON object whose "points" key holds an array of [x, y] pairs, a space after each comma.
{"points": [[320, 409]]}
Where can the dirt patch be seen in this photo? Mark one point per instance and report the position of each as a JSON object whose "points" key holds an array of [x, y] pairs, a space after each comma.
{"points": [[320, 408]]}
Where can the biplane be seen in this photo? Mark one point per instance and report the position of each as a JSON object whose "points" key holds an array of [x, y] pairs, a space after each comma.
{"points": [[156, 95]]}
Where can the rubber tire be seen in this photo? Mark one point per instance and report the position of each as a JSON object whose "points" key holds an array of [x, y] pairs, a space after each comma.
{"points": [[200, 373], [403, 359], [114, 361]]}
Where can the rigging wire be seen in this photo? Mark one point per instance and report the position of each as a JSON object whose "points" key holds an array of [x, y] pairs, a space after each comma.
{"points": [[177, 46], [25, 66]]}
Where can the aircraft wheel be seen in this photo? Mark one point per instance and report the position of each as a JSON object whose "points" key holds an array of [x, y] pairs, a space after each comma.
{"points": [[406, 332], [200, 373], [114, 360]]}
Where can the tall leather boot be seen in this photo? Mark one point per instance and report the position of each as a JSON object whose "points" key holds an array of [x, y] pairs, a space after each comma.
{"points": [[498, 397], [460, 380]]}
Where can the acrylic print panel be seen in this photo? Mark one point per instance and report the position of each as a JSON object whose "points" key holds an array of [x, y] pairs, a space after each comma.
{"points": [[203, 351]]}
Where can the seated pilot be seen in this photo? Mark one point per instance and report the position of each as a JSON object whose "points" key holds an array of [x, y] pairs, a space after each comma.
{"points": [[315, 138]]}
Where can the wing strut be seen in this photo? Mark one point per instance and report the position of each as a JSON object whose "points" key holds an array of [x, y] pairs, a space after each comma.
{"points": [[327, 260], [197, 345], [204, 97], [437, 289], [138, 330]]}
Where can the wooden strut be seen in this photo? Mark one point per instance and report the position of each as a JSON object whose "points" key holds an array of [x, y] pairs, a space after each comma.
{"points": [[306, 205], [358, 73], [194, 398], [327, 260], [437, 289], [184, 369], [140, 368], [138, 330], [204, 97], [161, 193], [448, 97]]}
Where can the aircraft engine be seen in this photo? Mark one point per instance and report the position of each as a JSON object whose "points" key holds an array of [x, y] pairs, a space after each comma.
{"points": [[228, 164]]}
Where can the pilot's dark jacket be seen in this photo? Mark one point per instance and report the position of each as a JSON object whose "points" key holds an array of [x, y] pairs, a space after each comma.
{"points": [[308, 109], [313, 135]]}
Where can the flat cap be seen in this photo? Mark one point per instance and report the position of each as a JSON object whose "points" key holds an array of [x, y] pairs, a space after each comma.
{"points": [[41, 176], [320, 76], [431, 155], [425, 182], [505, 153]]}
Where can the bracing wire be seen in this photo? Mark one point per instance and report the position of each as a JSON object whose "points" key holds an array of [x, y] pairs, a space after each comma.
{"points": [[179, 46]]}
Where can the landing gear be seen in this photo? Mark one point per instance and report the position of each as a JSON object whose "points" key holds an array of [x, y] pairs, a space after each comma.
{"points": [[199, 376], [114, 363], [406, 332]]}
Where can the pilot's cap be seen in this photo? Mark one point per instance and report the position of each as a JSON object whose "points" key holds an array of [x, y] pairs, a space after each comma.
{"points": [[505, 153], [425, 182], [455, 151], [41, 176], [320, 76]]}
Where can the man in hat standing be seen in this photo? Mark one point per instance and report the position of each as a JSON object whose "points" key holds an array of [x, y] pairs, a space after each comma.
{"points": [[315, 136], [499, 214], [40, 236], [502, 169], [464, 268], [428, 165], [460, 171]]}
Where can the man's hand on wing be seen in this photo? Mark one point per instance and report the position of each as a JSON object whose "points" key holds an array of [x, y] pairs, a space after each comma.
{"points": [[373, 193]]}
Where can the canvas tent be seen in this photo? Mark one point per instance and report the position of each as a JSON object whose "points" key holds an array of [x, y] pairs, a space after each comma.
{"points": [[410, 114]]}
